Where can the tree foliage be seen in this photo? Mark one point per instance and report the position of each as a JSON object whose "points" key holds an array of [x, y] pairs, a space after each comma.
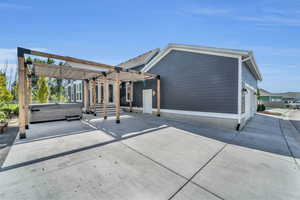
{"points": [[5, 95], [43, 90]]}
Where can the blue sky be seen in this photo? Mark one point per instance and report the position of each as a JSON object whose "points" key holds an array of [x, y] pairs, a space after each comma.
{"points": [[114, 31]]}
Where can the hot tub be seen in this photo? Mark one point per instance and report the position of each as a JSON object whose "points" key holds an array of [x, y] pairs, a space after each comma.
{"points": [[54, 111]]}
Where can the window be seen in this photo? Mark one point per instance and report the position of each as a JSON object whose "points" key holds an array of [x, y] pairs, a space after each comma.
{"points": [[129, 91], [79, 91]]}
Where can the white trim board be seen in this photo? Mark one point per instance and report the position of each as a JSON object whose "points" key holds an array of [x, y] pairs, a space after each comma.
{"points": [[240, 88], [192, 113]]}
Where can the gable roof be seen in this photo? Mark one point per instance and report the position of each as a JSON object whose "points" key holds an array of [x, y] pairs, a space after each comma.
{"points": [[247, 56], [139, 60]]}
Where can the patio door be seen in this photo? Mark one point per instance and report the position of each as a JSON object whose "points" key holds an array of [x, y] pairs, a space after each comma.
{"points": [[147, 101]]}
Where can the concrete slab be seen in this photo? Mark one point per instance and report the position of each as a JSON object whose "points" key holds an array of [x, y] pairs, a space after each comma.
{"points": [[176, 149], [27, 152], [242, 173], [193, 192], [112, 171], [39, 131]]}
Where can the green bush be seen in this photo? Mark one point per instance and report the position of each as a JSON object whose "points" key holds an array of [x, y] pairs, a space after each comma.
{"points": [[261, 107], [2, 117], [9, 109]]}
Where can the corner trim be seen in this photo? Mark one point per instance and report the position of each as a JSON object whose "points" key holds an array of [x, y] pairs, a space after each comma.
{"points": [[240, 88]]}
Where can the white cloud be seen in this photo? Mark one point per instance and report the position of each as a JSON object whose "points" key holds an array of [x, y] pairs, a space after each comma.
{"points": [[13, 6], [211, 11], [266, 16], [272, 20], [10, 55]]}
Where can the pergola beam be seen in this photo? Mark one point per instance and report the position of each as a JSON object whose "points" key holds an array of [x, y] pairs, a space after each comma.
{"points": [[23, 51]]}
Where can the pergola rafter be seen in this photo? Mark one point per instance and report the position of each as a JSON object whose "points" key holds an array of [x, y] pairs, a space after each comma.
{"points": [[76, 69]]}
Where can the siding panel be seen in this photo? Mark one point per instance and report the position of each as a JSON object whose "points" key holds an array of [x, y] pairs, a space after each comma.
{"points": [[195, 82]]}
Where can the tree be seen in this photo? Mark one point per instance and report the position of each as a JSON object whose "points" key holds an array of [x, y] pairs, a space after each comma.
{"points": [[43, 90], [5, 95], [14, 90]]}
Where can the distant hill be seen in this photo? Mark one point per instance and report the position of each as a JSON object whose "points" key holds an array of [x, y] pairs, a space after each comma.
{"points": [[295, 95]]}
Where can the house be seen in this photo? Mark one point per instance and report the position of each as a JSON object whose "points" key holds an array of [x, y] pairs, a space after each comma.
{"points": [[212, 86]]}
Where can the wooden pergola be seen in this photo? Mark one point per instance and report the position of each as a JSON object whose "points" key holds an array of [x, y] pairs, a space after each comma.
{"points": [[76, 69]]}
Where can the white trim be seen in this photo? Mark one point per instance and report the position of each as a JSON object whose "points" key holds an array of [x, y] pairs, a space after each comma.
{"points": [[240, 88], [193, 113], [163, 53], [250, 87]]}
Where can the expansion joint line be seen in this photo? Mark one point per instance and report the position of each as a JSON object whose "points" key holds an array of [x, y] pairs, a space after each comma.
{"points": [[190, 179], [287, 144]]}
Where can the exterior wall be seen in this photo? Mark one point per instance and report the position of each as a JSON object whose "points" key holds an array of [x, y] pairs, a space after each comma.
{"points": [[248, 77], [194, 82]]}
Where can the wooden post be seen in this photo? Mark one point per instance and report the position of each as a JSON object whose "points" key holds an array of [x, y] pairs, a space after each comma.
{"points": [[131, 96], [158, 96], [86, 95], [26, 96], [105, 99], [29, 89], [94, 96], [117, 95], [22, 108]]}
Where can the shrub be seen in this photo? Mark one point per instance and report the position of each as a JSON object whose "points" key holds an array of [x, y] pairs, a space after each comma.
{"points": [[2, 117], [261, 107]]}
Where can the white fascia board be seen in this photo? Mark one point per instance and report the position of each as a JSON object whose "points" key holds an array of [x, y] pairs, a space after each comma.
{"points": [[192, 113], [193, 50]]}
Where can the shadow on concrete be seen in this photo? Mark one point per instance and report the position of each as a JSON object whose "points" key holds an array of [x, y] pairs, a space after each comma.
{"points": [[261, 133], [6, 141], [117, 139], [54, 129]]}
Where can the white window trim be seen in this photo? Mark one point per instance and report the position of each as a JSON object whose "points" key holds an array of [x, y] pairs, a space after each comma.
{"points": [[79, 92]]}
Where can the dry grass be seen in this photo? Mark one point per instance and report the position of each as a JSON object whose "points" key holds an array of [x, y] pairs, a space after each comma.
{"points": [[271, 113]]}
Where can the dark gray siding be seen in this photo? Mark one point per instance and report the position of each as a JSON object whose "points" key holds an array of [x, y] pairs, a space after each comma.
{"points": [[248, 77], [138, 93], [195, 82]]}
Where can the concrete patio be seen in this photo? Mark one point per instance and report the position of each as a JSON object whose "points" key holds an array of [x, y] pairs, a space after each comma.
{"points": [[147, 157]]}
